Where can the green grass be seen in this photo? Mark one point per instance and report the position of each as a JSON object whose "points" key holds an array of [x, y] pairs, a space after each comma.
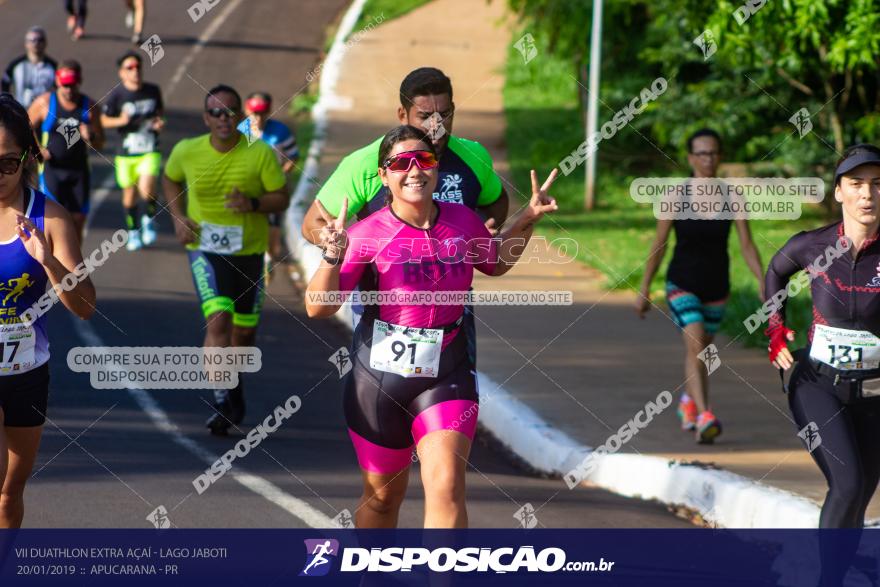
{"points": [[544, 125], [385, 10], [300, 112]]}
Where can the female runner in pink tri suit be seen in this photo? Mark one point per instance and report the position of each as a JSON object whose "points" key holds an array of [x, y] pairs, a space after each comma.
{"points": [[411, 382]]}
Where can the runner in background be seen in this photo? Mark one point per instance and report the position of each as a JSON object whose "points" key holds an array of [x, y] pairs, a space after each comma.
{"points": [[76, 17], [135, 15], [31, 74], [281, 138], [697, 285], [135, 108], [67, 130], [38, 248], [220, 189]]}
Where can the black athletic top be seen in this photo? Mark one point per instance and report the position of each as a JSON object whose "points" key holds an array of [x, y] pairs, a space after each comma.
{"points": [[845, 294], [143, 105], [700, 264]]}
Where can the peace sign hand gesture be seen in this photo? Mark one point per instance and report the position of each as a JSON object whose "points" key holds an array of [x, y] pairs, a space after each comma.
{"points": [[333, 238], [541, 202]]}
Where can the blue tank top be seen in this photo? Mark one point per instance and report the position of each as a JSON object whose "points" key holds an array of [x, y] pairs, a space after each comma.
{"points": [[22, 283]]}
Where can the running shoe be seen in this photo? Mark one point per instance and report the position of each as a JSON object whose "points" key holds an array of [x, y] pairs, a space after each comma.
{"points": [[78, 33], [71, 23], [236, 404], [687, 412], [148, 230], [221, 420], [136, 39], [129, 19], [134, 241], [708, 428]]}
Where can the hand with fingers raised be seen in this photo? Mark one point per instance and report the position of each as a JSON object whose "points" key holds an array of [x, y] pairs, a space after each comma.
{"points": [[33, 239], [541, 203], [333, 238]]}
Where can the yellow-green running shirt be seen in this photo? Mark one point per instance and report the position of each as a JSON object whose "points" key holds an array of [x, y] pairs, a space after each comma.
{"points": [[210, 175]]}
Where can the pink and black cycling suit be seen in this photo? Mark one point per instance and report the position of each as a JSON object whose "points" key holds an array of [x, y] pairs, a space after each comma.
{"points": [[387, 413]]}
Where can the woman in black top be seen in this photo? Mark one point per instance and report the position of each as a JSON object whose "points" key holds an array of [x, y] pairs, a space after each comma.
{"points": [[698, 283]]}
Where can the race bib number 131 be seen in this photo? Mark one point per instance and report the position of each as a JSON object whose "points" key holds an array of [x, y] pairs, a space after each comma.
{"points": [[845, 349]]}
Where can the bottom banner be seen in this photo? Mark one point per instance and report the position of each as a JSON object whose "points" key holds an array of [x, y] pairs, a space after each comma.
{"points": [[254, 558]]}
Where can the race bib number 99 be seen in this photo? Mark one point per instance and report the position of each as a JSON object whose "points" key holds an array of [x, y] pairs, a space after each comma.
{"points": [[221, 239], [408, 352], [845, 349], [17, 343]]}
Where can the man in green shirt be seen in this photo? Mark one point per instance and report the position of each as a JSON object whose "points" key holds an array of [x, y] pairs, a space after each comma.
{"points": [[219, 190], [466, 173]]}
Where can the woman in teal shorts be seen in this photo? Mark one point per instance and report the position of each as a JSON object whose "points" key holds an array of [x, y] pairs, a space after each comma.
{"points": [[698, 283]]}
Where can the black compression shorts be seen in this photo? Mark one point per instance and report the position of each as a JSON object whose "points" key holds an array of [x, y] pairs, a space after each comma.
{"points": [[68, 187]]}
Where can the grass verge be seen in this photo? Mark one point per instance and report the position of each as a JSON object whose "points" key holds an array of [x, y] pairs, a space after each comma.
{"points": [[385, 10]]}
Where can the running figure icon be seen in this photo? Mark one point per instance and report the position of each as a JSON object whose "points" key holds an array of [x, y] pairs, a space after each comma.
{"points": [[17, 287], [319, 552]]}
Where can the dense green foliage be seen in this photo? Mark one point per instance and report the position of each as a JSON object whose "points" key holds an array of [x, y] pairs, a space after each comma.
{"points": [[822, 55], [763, 72]]}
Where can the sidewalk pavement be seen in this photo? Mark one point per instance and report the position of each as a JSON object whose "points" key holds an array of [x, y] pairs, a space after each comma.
{"points": [[586, 369]]}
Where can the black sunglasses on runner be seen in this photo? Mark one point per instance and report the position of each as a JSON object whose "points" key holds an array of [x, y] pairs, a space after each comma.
{"points": [[220, 112], [10, 165]]}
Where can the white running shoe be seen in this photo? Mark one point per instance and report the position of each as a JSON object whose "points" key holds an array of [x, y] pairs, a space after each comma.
{"points": [[129, 19], [148, 230], [134, 240]]}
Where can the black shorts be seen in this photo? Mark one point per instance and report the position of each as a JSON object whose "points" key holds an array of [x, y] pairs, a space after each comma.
{"points": [[230, 283], [68, 187], [24, 397]]}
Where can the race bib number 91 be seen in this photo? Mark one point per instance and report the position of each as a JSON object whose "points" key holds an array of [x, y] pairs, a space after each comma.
{"points": [[845, 349], [17, 343], [408, 352], [221, 239]]}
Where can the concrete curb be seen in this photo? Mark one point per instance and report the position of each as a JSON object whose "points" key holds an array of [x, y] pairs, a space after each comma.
{"points": [[721, 497]]}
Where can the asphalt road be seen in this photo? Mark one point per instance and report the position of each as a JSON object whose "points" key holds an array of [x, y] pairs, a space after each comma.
{"points": [[109, 458]]}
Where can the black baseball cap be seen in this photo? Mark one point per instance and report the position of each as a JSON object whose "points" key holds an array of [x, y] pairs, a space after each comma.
{"points": [[857, 155]]}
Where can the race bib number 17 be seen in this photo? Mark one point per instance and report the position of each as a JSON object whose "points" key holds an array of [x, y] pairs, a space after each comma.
{"points": [[17, 343], [408, 352]]}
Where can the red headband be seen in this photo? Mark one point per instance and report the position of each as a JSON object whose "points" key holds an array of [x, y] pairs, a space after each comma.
{"points": [[257, 105], [67, 77]]}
